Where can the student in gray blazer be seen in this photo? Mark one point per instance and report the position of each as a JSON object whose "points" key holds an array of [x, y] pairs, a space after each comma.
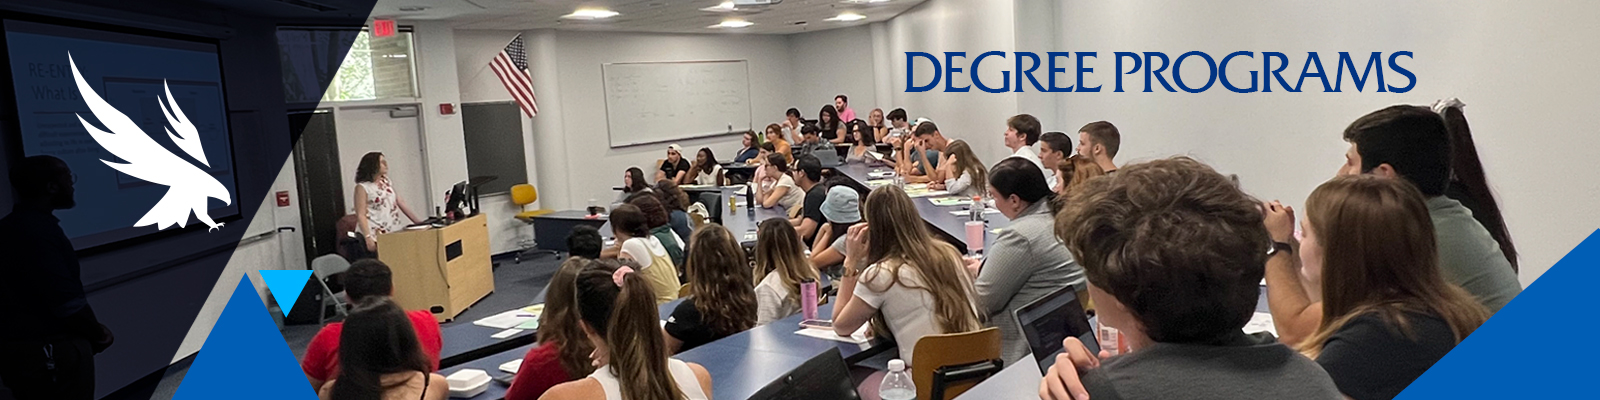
{"points": [[1026, 261]]}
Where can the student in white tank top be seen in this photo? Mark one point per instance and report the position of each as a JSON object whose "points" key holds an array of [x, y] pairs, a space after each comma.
{"points": [[627, 340]]}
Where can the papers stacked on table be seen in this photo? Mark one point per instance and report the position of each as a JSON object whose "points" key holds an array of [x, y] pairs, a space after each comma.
{"points": [[859, 337], [521, 318]]}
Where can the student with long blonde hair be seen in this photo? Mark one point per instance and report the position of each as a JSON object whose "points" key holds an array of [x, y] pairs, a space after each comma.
{"points": [[617, 311], [964, 173], [780, 267], [723, 303], [1369, 254], [903, 270], [563, 351]]}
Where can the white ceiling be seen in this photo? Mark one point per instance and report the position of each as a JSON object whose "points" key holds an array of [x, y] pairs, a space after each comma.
{"points": [[652, 16]]}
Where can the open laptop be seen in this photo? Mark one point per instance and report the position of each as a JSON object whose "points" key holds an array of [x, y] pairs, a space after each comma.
{"points": [[1048, 320], [828, 158]]}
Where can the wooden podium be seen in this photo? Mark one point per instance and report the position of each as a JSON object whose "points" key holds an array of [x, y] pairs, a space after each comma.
{"points": [[443, 270]]}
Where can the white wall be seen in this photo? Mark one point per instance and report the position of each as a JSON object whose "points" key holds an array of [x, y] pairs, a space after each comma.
{"points": [[1526, 73], [937, 26], [829, 63], [591, 167]]}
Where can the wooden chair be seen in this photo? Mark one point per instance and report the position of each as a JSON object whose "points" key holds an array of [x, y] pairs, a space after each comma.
{"points": [[949, 364]]}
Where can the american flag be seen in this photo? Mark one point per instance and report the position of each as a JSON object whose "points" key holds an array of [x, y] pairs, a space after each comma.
{"points": [[511, 66]]}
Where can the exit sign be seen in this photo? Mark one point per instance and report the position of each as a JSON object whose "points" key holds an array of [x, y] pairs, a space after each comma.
{"points": [[383, 27]]}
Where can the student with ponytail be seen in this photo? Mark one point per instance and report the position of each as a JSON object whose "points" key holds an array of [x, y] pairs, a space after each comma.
{"points": [[723, 302], [1468, 183], [563, 351], [617, 312], [380, 358]]}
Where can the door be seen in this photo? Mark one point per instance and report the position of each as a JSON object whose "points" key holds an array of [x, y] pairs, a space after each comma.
{"points": [[394, 131], [317, 175]]}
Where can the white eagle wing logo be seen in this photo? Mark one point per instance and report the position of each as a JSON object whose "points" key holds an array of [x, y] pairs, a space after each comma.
{"points": [[188, 186]]}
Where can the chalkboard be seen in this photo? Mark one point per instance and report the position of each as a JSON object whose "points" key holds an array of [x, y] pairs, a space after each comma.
{"points": [[657, 102], [493, 134]]}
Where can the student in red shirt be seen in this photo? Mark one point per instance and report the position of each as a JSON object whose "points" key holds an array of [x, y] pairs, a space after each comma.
{"points": [[563, 351], [366, 278]]}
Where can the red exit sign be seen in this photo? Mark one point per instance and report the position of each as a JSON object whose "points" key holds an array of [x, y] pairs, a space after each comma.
{"points": [[383, 27]]}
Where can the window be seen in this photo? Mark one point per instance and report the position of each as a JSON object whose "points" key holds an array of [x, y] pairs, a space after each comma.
{"points": [[374, 69]]}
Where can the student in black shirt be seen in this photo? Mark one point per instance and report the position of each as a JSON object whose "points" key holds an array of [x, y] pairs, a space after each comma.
{"points": [[808, 176], [674, 168], [1369, 253], [723, 300], [51, 336]]}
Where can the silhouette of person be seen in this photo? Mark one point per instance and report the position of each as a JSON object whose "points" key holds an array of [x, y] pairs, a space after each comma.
{"points": [[47, 349]]}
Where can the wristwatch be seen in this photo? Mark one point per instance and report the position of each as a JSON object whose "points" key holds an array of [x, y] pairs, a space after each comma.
{"points": [[1280, 247]]}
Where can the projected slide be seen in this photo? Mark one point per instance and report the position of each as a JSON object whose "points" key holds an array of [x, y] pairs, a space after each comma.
{"points": [[127, 71]]}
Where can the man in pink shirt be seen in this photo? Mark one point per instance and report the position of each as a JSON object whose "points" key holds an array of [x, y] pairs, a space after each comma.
{"points": [[842, 103]]}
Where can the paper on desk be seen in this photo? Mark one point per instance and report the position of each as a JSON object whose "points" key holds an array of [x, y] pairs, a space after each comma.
{"points": [[965, 212], [508, 319], [951, 201], [880, 182], [1261, 322], [859, 337], [880, 174], [512, 366], [695, 187]]}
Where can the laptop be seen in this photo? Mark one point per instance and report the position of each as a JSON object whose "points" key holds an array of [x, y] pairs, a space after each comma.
{"points": [[1048, 320], [828, 157], [824, 377]]}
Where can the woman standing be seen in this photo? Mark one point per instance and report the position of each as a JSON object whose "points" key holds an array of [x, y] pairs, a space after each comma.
{"points": [[964, 174], [780, 267], [563, 351], [380, 358], [378, 210], [1370, 256], [723, 302], [1025, 262], [618, 316]]}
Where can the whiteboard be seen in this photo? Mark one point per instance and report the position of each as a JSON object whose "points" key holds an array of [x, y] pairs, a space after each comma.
{"points": [[654, 102]]}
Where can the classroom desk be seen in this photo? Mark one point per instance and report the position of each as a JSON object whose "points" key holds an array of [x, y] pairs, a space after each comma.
{"points": [[1016, 381], [491, 365], [949, 226], [552, 228], [743, 363], [464, 342]]}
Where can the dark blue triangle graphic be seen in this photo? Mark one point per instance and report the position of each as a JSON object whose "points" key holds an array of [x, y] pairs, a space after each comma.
{"points": [[1535, 347], [245, 357]]}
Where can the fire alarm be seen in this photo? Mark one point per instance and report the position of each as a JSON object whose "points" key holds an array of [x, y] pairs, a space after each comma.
{"points": [[447, 108], [283, 198]]}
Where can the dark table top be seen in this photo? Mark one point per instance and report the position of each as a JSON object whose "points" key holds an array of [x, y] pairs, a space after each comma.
{"points": [[743, 363], [464, 342], [952, 227]]}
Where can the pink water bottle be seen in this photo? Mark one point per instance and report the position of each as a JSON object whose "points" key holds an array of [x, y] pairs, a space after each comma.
{"points": [[808, 299]]}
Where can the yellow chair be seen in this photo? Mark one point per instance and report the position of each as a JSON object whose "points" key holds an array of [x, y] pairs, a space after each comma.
{"points": [[956, 361], [524, 194]]}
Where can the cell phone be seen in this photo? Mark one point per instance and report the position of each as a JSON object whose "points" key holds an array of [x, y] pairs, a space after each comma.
{"points": [[817, 324]]}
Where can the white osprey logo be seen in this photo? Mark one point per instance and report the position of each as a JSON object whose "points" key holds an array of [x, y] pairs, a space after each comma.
{"points": [[147, 160]]}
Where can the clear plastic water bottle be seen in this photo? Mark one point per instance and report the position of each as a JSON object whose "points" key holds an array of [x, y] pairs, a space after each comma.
{"points": [[975, 212], [897, 384]]}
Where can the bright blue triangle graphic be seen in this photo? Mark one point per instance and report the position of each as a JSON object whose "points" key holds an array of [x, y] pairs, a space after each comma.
{"points": [[285, 286], [1536, 347], [245, 357]]}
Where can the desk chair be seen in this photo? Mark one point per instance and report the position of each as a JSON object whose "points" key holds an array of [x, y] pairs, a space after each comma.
{"points": [[324, 267], [949, 364], [825, 376], [522, 195]]}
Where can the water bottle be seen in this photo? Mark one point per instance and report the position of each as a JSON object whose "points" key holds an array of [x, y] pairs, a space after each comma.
{"points": [[975, 212], [750, 199], [897, 384], [808, 299]]}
